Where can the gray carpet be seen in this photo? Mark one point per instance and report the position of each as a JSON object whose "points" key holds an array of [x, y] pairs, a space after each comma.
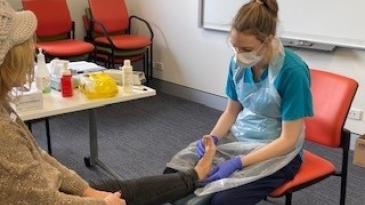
{"points": [[137, 139]]}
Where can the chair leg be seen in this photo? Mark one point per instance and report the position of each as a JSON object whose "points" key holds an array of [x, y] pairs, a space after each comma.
{"points": [[145, 66], [90, 57], [288, 198], [112, 59], [345, 159], [48, 133], [151, 62]]}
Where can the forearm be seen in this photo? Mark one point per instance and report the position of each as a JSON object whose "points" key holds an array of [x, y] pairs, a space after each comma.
{"points": [[291, 130], [65, 199], [91, 192], [223, 124], [72, 183], [276, 148]]}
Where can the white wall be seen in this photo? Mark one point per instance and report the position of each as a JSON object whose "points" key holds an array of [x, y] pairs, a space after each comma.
{"points": [[198, 58]]}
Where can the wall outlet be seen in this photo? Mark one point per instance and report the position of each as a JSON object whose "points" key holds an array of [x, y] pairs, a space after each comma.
{"points": [[355, 114], [158, 66]]}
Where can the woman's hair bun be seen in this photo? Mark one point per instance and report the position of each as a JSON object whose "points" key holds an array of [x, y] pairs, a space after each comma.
{"points": [[270, 5]]}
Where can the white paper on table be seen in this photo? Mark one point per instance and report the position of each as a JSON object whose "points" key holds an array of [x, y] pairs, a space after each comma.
{"points": [[83, 66]]}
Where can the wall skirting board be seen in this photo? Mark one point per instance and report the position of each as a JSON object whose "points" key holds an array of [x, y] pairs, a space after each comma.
{"points": [[213, 101]]}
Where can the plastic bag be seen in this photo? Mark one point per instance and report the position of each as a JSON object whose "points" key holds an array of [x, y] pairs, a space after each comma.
{"points": [[98, 85]]}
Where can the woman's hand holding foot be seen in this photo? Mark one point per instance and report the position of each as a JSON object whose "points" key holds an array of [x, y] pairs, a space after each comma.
{"points": [[204, 165]]}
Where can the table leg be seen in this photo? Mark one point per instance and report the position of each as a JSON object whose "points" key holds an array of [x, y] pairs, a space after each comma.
{"points": [[48, 133], [93, 160], [29, 124]]}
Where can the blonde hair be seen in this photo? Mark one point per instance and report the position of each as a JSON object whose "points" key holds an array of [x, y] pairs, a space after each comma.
{"points": [[258, 17], [17, 65]]}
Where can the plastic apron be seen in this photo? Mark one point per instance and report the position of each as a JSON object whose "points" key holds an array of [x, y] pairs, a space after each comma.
{"points": [[258, 124]]}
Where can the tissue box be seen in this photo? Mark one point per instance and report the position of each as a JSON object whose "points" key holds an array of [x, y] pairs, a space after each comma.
{"points": [[29, 100], [359, 154], [56, 82]]}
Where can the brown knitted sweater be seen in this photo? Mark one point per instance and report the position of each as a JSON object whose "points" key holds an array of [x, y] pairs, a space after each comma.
{"points": [[28, 175]]}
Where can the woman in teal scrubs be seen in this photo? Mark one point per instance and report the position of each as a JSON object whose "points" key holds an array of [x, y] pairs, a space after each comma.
{"points": [[260, 133]]}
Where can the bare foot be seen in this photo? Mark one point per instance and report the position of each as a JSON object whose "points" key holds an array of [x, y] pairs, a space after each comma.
{"points": [[204, 165]]}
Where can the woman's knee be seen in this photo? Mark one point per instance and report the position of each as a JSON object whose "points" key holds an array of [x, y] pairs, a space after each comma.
{"points": [[223, 198], [217, 199]]}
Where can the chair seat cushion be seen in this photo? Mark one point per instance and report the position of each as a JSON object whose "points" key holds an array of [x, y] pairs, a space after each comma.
{"points": [[126, 42], [66, 48], [313, 168]]}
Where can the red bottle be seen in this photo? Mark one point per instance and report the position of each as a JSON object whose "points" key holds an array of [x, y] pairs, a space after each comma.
{"points": [[66, 84]]}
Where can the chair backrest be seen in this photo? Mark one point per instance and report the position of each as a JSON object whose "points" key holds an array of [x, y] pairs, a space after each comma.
{"points": [[332, 98], [113, 14], [53, 16]]}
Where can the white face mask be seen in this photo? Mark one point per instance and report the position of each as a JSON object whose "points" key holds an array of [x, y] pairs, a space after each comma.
{"points": [[247, 59]]}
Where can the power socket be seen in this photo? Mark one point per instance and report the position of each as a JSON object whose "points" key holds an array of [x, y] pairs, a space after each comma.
{"points": [[158, 66], [355, 114]]}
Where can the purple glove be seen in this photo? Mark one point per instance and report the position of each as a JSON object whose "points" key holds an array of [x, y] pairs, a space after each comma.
{"points": [[200, 149], [224, 169]]}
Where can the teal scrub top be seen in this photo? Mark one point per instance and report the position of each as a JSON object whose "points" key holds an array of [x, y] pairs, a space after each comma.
{"points": [[292, 84]]}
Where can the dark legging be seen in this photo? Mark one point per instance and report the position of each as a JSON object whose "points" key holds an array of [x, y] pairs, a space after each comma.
{"points": [[173, 185], [154, 190], [254, 192]]}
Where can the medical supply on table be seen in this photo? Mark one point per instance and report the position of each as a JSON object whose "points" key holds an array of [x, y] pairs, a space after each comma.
{"points": [[127, 76], [141, 88], [138, 77], [117, 75], [27, 100], [84, 67], [98, 85], [42, 75], [57, 67], [66, 84]]}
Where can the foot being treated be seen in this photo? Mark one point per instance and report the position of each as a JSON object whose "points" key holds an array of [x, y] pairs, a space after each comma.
{"points": [[204, 165]]}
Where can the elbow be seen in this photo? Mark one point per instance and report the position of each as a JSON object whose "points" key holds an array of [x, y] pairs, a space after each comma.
{"points": [[290, 143]]}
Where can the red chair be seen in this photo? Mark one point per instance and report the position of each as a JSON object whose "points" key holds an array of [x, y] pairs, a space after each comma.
{"points": [[110, 31], [56, 30], [332, 98]]}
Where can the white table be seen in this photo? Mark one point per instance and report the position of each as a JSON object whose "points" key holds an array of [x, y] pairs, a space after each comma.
{"points": [[54, 104]]}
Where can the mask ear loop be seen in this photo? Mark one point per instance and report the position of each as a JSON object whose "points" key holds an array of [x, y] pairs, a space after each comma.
{"points": [[266, 41]]}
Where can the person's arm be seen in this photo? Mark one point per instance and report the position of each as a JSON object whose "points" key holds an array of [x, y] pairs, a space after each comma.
{"points": [[91, 192], [233, 107], [227, 118], [285, 143], [72, 183], [22, 178]]}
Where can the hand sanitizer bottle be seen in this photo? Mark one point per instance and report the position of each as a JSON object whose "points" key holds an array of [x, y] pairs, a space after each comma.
{"points": [[42, 75], [127, 77]]}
